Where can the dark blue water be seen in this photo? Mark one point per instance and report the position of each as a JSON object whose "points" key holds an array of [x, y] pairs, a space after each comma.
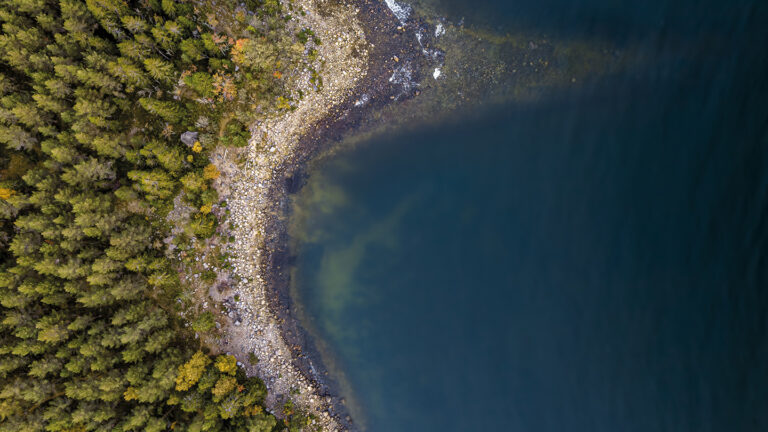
{"points": [[594, 261]]}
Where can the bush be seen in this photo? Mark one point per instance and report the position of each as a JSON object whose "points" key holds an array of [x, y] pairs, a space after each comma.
{"points": [[201, 83], [204, 323], [236, 134]]}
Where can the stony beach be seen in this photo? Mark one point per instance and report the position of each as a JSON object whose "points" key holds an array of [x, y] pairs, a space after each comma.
{"points": [[255, 180]]}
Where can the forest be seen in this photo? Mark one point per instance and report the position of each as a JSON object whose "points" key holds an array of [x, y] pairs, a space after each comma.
{"points": [[109, 110]]}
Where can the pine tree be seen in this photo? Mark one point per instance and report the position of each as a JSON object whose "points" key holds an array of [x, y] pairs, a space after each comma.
{"points": [[160, 70], [154, 184], [134, 24]]}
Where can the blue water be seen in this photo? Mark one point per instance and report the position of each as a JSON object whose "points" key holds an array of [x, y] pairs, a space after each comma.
{"points": [[593, 261]]}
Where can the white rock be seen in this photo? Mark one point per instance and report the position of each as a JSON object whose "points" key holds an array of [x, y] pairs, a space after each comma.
{"points": [[439, 30]]}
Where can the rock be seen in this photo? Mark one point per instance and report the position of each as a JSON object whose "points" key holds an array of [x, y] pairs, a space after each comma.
{"points": [[189, 138]]}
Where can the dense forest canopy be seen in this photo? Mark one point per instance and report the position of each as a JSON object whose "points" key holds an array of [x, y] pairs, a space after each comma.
{"points": [[95, 97]]}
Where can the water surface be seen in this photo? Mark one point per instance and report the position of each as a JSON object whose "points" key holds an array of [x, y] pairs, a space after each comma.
{"points": [[593, 261]]}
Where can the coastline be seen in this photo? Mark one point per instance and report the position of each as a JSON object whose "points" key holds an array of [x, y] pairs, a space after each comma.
{"points": [[376, 62], [364, 44]]}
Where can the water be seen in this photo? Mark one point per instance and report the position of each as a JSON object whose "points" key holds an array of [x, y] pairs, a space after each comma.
{"points": [[594, 261]]}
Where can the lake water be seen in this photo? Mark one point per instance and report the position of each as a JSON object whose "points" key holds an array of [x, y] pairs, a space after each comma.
{"points": [[593, 261]]}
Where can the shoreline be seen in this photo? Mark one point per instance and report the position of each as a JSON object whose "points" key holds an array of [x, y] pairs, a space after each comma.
{"points": [[379, 62], [394, 45], [261, 310]]}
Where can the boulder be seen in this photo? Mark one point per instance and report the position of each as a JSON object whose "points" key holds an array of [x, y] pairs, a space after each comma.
{"points": [[189, 138]]}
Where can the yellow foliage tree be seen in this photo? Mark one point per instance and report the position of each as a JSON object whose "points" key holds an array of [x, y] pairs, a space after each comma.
{"points": [[238, 51], [223, 387], [253, 410], [191, 371], [130, 394], [283, 103], [210, 172], [226, 364], [224, 86], [6, 193]]}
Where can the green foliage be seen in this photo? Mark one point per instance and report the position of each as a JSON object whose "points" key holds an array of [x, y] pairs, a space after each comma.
{"points": [[201, 83], [304, 35], [294, 419], [224, 386], [170, 111], [203, 225], [192, 50], [155, 184], [94, 95], [235, 135], [161, 70], [204, 323]]}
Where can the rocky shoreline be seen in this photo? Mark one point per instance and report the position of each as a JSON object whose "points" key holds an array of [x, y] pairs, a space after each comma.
{"points": [[371, 60], [377, 57]]}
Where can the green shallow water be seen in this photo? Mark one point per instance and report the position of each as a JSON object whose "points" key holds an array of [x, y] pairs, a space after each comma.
{"points": [[594, 260]]}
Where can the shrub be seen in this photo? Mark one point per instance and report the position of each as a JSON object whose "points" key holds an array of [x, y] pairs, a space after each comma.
{"points": [[204, 323]]}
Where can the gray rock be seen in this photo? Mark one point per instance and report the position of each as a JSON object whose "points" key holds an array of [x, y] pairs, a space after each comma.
{"points": [[189, 138]]}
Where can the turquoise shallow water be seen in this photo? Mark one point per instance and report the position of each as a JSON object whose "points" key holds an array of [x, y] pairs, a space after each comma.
{"points": [[593, 261]]}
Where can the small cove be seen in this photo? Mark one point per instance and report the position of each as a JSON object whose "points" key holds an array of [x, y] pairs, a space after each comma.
{"points": [[594, 260]]}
